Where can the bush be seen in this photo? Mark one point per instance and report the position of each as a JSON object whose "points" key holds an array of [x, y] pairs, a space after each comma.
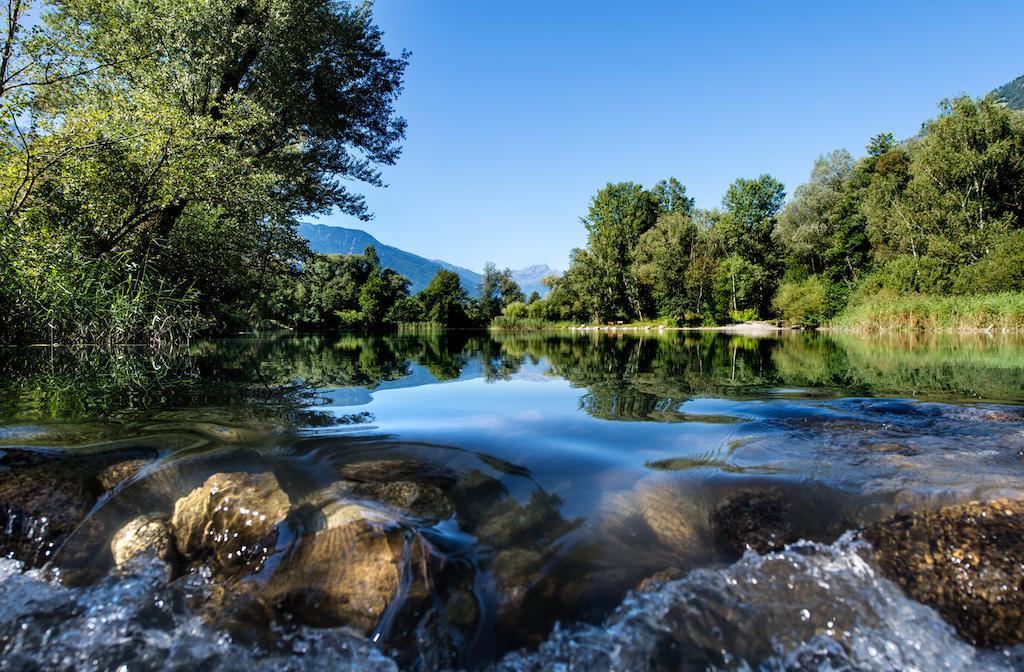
{"points": [[349, 319], [914, 275], [516, 310], [745, 315], [802, 303]]}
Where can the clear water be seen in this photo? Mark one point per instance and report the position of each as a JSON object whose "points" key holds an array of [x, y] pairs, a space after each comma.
{"points": [[580, 466]]}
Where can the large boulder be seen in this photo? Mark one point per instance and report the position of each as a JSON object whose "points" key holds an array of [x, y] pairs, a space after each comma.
{"points": [[230, 521], [966, 561], [142, 535]]}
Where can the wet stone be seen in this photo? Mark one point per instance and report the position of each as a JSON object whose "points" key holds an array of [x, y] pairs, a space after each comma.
{"points": [[386, 471], [118, 473], [144, 535], [42, 500], [755, 519], [230, 521], [966, 561], [674, 518], [346, 573]]}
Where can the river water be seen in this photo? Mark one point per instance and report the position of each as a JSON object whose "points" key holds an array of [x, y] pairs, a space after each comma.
{"points": [[567, 501]]}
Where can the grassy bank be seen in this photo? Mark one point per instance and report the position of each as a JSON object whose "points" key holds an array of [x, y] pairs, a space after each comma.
{"points": [[1000, 312]]}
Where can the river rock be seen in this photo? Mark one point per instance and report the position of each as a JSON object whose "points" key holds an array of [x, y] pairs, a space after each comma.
{"points": [[119, 472], [966, 561], [230, 520], [346, 573], [140, 536], [415, 500], [387, 471], [42, 500], [676, 520], [757, 519]]}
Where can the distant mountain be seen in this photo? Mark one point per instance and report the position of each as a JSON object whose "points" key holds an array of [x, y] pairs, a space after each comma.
{"points": [[337, 240], [1012, 93], [529, 278], [420, 270]]}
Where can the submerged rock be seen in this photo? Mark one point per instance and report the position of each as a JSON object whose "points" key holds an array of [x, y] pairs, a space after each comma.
{"points": [[346, 573], [386, 471], [143, 535], [418, 500], [230, 520], [675, 519], [966, 561], [119, 472], [757, 519], [42, 500]]}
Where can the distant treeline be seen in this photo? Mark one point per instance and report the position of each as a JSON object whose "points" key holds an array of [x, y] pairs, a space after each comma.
{"points": [[939, 215]]}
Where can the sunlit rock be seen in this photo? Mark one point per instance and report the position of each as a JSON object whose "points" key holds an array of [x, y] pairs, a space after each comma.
{"points": [[676, 520], [230, 520], [966, 561], [346, 573], [143, 535], [119, 472]]}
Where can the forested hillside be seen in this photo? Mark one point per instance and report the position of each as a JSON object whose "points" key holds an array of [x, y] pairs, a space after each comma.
{"points": [[1012, 93]]}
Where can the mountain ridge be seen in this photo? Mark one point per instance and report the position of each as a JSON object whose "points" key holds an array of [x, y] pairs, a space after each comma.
{"points": [[420, 270]]}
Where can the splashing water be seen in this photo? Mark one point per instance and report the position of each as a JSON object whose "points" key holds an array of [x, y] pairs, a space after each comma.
{"points": [[810, 607]]}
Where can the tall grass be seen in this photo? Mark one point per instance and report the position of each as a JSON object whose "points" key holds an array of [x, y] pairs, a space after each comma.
{"points": [[887, 312], [103, 302]]}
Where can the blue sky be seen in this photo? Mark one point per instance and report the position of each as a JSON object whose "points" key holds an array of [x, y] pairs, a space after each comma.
{"points": [[519, 112]]}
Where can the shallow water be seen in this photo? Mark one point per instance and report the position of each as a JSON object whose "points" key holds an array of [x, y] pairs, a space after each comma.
{"points": [[573, 467]]}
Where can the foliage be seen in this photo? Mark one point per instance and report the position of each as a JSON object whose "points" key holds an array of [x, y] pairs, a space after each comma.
{"points": [[802, 303], [444, 301], [343, 292], [183, 150]]}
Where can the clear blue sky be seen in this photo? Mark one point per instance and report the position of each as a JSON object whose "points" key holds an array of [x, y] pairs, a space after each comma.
{"points": [[519, 111]]}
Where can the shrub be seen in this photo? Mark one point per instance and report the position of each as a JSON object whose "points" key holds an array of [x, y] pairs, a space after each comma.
{"points": [[802, 303]]}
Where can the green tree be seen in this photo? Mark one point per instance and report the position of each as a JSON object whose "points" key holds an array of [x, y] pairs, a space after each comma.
{"points": [[444, 300], [498, 289], [619, 214], [747, 229]]}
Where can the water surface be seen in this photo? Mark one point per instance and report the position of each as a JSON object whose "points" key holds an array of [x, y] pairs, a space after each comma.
{"points": [[579, 466]]}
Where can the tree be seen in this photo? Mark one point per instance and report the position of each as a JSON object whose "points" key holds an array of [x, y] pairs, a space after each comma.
{"points": [[662, 258], [444, 300], [808, 222], [619, 214], [497, 290], [747, 228], [193, 144], [672, 198]]}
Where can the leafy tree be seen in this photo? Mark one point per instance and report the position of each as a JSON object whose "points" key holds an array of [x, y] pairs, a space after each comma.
{"points": [[192, 144], [663, 257], [747, 229], [619, 214], [497, 290], [444, 300], [672, 198]]}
